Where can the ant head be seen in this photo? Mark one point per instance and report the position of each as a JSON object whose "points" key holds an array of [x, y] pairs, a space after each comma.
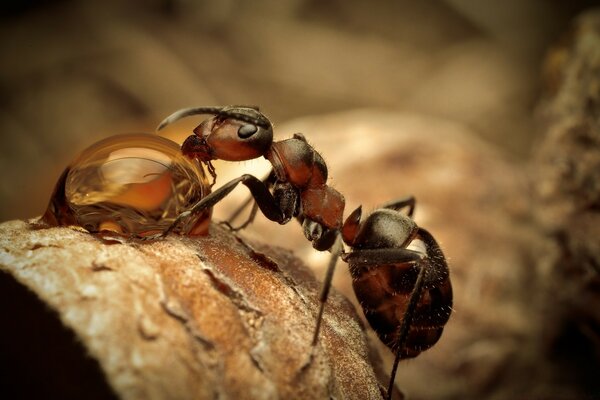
{"points": [[234, 133]]}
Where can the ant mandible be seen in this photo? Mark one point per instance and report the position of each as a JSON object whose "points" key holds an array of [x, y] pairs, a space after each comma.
{"points": [[405, 292]]}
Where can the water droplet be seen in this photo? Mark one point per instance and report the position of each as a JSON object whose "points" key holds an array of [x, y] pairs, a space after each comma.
{"points": [[130, 184]]}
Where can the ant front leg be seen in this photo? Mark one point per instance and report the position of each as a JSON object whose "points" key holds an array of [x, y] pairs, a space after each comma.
{"points": [[266, 202]]}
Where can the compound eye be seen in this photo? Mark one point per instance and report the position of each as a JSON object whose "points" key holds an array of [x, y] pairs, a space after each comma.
{"points": [[245, 131]]}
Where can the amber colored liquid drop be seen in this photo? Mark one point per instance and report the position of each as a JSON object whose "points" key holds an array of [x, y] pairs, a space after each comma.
{"points": [[130, 184]]}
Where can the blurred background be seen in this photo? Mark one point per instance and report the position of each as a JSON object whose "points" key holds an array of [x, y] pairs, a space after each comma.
{"points": [[73, 72], [431, 98]]}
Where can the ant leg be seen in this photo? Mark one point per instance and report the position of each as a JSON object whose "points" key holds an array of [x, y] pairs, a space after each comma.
{"points": [[322, 238], [240, 209], [300, 136], [268, 180], [374, 257], [248, 221], [336, 251], [399, 204], [267, 204], [405, 326]]}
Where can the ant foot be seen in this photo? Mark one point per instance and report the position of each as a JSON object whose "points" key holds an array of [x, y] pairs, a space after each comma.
{"points": [[308, 362], [227, 225], [233, 228]]}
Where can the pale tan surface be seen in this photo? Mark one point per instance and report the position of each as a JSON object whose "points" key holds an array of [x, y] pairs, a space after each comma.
{"points": [[192, 318]]}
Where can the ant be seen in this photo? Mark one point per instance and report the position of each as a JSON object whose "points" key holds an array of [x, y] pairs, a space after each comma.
{"points": [[399, 272]]}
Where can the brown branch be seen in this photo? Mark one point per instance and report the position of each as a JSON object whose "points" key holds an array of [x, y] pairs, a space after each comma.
{"points": [[197, 318]]}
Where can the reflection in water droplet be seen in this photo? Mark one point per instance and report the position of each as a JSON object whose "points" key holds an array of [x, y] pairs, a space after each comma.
{"points": [[130, 184]]}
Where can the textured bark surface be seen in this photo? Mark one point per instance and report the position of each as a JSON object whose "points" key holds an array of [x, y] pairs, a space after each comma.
{"points": [[521, 238], [186, 318]]}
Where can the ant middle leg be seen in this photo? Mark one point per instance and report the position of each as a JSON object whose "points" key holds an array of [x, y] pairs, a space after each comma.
{"points": [[336, 250], [248, 221], [268, 181]]}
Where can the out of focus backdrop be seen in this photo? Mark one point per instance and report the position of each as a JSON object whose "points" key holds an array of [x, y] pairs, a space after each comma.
{"points": [[73, 72], [440, 99]]}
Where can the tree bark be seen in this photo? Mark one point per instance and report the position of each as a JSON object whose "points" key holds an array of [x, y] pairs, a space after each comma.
{"points": [[180, 318]]}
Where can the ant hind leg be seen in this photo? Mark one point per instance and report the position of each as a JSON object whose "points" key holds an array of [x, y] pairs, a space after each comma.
{"points": [[404, 328], [399, 204], [364, 258]]}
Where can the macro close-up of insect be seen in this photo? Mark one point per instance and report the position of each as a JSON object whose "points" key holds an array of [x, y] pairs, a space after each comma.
{"points": [[400, 275], [145, 186], [300, 200]]}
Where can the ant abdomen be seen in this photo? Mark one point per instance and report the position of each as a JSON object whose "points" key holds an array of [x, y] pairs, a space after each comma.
{"points": [[384, 292]]}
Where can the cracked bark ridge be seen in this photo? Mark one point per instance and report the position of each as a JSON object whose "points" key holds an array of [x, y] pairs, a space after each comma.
{"points": [[187, 318], [568, 193]]}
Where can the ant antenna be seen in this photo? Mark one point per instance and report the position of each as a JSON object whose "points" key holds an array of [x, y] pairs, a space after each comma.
{"points": [[250, 115], [243, 113], [186, 112]]}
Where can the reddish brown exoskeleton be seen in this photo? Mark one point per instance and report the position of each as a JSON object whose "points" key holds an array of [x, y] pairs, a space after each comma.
{"points": [[297, 185], [400, 275]]}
